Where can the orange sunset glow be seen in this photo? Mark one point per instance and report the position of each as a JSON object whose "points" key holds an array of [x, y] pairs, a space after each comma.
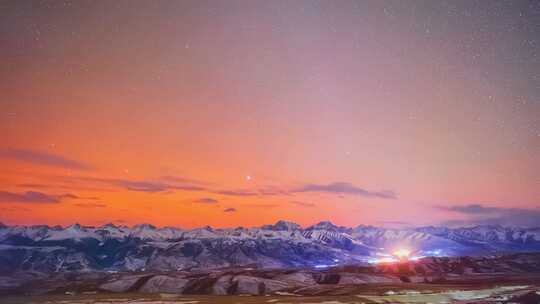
{"points": [[243, 113]]}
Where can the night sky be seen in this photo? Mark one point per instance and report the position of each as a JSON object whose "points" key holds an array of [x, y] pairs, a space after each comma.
{"points": [[241, 113]]}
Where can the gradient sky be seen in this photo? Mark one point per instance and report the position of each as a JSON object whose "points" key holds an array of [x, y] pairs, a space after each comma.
{"points": [[240, 113]]}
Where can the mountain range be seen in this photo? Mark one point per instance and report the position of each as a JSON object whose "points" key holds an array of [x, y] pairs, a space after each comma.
{"points": [[112, 248]]}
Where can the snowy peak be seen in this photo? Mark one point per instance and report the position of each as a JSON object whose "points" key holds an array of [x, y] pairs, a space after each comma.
{"points": [[75, 226], [458, 240], [282, 226], [144, 227], [109, 226], [486, 234], [324, 225]]}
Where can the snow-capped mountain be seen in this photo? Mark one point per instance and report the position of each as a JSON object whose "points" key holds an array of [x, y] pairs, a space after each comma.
{"points": [[284, 244]]}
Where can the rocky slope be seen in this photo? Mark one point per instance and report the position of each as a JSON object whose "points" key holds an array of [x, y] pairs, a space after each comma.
{"points": [[427, 273]]}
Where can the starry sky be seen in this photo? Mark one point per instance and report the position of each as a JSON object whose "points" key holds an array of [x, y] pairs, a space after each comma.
{"points": [[241, 113]]}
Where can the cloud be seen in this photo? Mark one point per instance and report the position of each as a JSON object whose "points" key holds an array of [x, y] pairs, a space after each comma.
{"points": [[478, 214], [156, 186], [303, 204], [91, 205], [43, 158], [14, 208], [472, 209], [236, 192], [69, 196], [206, 200], [33, 186], [346, 188], [70, 184], [179, 179], [141, 186], [28, 197], [34, 197], [229, 210], [159, 185], [268, 191]]}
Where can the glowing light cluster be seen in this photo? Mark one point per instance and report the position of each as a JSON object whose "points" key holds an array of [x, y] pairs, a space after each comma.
{"points": [[385, 260], [402, 253]]}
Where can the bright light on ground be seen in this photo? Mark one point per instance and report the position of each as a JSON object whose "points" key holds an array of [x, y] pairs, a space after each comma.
{"points": [[385, 260], [402, 253]]}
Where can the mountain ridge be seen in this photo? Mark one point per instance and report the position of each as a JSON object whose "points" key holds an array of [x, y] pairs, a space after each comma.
{"points": [[277, 223], [284, 244]]}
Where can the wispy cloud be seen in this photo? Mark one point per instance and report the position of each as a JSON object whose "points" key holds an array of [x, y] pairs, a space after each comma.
{"points": [[28, 197], [159, 185], [91, 205], [30, 185], [69, 196], [345, 188], [303, 204], [471, 209], [206, 200], [229, 210], [141, 185], [183, 180], [68, 184], [152, 185], [43, 158], [236, 192], [13, 208], [267, 191], [478, 214]]}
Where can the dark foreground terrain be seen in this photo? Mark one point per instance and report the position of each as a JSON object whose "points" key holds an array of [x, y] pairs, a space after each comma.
{"points": [[416, 294], [504, 279]]}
